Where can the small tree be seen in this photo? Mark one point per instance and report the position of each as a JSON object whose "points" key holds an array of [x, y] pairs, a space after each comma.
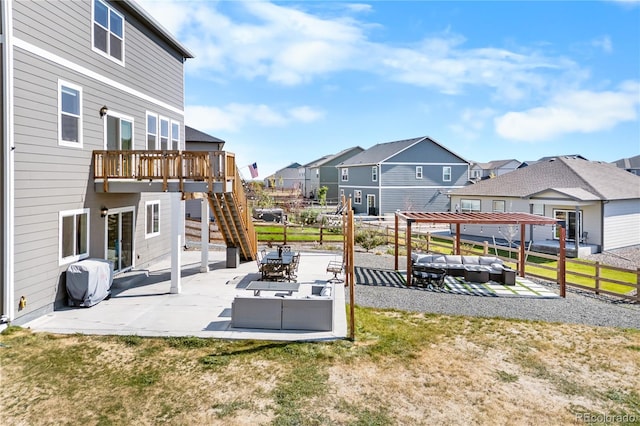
{"points": [[368, 239], [322, 195]]}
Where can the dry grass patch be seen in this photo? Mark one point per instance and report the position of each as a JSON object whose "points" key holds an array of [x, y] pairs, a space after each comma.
{"points": [[403, 368]]}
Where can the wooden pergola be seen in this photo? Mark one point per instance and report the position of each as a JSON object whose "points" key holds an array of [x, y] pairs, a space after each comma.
{"points": [[479, 218]]}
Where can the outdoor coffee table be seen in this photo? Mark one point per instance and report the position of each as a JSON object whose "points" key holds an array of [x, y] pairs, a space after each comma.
{"points": [[258, 286], [476, 274]]}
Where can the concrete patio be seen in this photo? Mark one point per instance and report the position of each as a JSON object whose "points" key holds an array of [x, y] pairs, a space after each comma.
{"points": [[142, 305]]}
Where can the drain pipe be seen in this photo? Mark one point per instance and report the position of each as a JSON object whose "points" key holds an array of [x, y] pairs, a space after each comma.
{"points": [[7, 214]]}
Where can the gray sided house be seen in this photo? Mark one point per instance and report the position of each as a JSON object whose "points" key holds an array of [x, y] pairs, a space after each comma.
{"points": [[491, 169], [287, 178], [324, 173], [413, 174], [599, 203], [311, 172], [195, 140], [630, 164], [79, 77]]}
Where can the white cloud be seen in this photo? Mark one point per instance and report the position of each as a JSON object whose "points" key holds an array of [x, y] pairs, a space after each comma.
{"points": [[603, 43], [472, 122], [234, 116], [579, 111]]}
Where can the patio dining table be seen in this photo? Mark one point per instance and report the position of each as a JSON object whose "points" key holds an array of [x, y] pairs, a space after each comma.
{"points": [[277, 265]]}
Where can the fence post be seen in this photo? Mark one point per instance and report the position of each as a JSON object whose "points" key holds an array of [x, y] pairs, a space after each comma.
{"points": [[428, 242], [284, 234], [597, 277], [321, 232], [485, 247]]}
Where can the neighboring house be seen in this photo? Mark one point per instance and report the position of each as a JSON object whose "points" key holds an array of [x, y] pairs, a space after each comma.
{"points": [[287, 178], [195, 140], [631, 164], [598, 202], [414, 174], [79, 77], [311, 174], [549, 158], [324, 173], [479, 171]]}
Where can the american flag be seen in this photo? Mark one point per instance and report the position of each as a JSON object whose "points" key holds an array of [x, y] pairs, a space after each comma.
{"points": [[253, 169]]}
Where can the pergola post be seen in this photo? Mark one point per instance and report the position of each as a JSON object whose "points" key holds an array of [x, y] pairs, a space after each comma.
{"points": [[395, 242], [522, 252], [562, 262], [408, 241], [457, 240]]}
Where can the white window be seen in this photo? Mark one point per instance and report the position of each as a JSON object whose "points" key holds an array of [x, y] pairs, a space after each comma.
{"points": [[175, 136], [341, 194], [152, 219], [538, 209], [476, 174], [498, 206], [108, 31], [357, 197], [70, 115], [418, 172], [345, 174], [469, 205], [446, 174], [152, 131], [164, 134], [73, 235], [119, 132], [374, 173]]}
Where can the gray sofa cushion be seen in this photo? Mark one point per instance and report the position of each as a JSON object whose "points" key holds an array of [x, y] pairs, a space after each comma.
{"points": [[488, 260], [471, 260]]}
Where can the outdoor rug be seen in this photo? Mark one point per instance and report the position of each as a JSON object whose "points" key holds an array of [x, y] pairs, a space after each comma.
{"points": [[454, 285]]}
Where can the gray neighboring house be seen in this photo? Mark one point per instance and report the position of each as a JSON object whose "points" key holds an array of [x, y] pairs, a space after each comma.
{"points": [[630, 164], [287, 178], [195, 140], [79, 77], [479, 171], [323, 172], [311, 180], [598, 202], [413, 174]]}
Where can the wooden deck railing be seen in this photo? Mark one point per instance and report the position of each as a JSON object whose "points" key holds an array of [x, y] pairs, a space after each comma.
{"points": [[210, 167]]}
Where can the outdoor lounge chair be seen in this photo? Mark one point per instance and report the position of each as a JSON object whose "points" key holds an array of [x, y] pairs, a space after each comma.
{"points": [[429, 276]]}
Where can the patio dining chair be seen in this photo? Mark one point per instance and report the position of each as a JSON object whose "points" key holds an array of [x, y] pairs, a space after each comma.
{"points": [[273, 270]]}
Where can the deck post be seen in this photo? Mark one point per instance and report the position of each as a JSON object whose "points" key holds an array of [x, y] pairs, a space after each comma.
{"points": [[204, 235], [176, 244], [408, 242]]}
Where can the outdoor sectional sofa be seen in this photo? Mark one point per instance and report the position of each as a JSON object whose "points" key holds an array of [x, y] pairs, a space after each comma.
{"points": [[478, 268], [313, 311]]}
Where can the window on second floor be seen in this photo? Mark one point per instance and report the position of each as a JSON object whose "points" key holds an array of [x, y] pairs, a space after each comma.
{"points": [[498, 206], [152, 219], [345, 174], [70, 115], [108, 31], [469, 205], [164, 134], [357, 196], [152, 131], [418, 172], [446, 174], [175, 136], [374, 173]]}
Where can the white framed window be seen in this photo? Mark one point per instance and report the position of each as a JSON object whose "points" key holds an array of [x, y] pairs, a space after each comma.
{"points": [[152, 131], [476, 174], [469, 205], [341, 194], [118, 132], [374, 173], [357, 197], [418, 172], [317, 172], [164, 134], [538, 209], [69, 114], [175, 136], [108, 31], [73, 237], [152, 219], [446, 173], [498, 206], [345, 174]]}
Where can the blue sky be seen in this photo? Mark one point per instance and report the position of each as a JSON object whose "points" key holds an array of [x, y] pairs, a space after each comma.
{"points": [[285, 82]]}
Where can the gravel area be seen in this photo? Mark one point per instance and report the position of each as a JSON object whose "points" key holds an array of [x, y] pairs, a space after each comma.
{"points": [[578, 307]]}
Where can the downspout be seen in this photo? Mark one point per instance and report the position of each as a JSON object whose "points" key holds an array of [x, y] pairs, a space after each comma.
{"points": [[8, 313]]}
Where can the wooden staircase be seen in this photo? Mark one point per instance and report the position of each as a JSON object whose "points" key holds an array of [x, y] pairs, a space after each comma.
{"points": [[234, 219]]}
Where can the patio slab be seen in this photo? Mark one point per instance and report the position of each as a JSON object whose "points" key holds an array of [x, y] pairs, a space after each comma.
{"points": [[142, 305]]}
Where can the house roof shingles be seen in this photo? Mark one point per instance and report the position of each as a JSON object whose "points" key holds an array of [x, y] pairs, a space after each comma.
{"points": [[193, 135], [582, 179]]}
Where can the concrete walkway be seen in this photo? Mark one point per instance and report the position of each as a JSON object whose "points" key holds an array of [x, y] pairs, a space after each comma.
{"points": [[142, 305]]}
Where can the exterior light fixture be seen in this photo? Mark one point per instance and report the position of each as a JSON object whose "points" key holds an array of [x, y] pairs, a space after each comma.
{"points": [[103, 111], [103, 211]]}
